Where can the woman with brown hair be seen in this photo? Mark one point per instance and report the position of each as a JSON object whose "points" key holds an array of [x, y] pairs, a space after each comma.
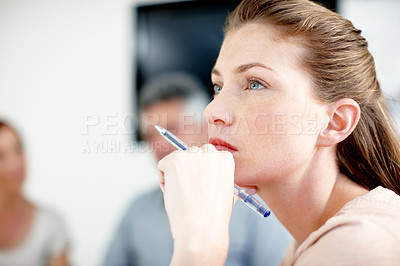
{"points": [[299, 118], [29, 235]]}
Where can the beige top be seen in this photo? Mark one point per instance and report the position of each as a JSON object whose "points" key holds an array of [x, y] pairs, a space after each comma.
{"points": [[47, 238], [366, 231]]}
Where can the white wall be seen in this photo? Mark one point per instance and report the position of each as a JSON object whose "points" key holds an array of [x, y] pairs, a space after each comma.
{"points": [[379, 21], [66, 63], [61, 62]]}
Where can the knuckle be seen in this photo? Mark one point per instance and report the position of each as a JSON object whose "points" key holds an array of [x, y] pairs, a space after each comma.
{"points": [[193, 148], [227, 156], [208, 147]]}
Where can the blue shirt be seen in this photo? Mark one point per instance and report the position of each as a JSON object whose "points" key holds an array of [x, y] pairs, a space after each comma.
{"points": [[143, 237]]}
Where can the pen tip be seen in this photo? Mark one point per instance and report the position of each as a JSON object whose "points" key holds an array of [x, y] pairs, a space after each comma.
{"points": [[159, 129]]}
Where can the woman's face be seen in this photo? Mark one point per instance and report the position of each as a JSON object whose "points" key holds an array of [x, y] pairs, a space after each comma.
{"points": [[12, 163], [263, 111]]}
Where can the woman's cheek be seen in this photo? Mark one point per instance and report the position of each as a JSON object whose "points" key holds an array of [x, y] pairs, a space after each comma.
{"points": [[262, 123]]}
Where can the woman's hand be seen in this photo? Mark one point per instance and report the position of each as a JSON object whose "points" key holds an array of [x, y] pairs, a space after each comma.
{"points": [[198, 193]]}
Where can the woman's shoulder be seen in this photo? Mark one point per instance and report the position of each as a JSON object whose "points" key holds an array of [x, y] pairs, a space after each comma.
{"points": [[51, 224], [355, 242], [366, 231], [49, 217], [376, 215], [379, 199]]}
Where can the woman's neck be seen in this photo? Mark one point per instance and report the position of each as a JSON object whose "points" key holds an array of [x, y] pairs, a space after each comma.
{"points": [[16, 217], [304, 201], [10, 200]]}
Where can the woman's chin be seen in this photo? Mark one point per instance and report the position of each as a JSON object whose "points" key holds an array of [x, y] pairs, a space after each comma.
{"points": [[243, 182]]}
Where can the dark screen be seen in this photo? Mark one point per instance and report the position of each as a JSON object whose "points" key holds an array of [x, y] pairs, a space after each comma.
{"points": [[183, 36]]}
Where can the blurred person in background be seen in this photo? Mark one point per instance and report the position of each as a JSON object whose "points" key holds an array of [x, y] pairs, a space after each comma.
{"points": [[176, 101], [29, 235]]}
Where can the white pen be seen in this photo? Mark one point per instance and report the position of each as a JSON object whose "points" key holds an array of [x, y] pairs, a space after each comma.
{"points": [[241, 193]]}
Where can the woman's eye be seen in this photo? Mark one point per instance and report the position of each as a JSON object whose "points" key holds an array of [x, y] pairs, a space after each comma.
{"points": [[217, 89], [255, 85]]}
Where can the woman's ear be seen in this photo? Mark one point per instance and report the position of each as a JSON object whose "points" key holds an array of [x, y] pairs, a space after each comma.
{"points": [[344, 115]]}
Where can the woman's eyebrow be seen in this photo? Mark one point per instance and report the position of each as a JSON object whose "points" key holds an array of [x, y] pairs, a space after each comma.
{"points": [[214, 71], [244, 68]]}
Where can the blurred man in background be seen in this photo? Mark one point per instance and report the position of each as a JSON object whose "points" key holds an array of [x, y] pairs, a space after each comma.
{"points": [[176, 102]]}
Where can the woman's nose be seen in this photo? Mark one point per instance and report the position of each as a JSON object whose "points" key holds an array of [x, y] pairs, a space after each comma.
{"points": [[218, 112]]}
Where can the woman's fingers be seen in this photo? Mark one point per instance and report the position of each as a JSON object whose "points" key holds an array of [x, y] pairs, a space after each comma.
{"points": [[161, 180], [208, 148], [197, 185], [163, 165]]}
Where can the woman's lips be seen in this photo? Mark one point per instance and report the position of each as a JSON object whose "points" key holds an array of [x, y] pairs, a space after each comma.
{"points": [[221, 145]]}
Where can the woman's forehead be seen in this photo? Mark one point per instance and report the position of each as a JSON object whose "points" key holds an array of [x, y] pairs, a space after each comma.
{"points": [[8, 136], [254, 42]]}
